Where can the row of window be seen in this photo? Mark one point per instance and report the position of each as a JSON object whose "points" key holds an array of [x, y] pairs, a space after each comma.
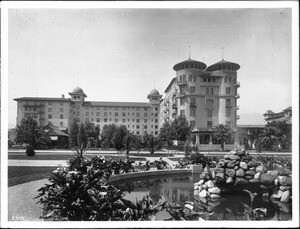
{"points": [[117, 108], [183, 79], [117, 114], [209, 113]]}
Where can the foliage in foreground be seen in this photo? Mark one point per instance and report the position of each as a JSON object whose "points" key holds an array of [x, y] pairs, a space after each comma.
{"points": [[80, 192]]}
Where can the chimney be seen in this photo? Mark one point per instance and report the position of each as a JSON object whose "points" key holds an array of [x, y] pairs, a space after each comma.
{"points": [[62, 96]]}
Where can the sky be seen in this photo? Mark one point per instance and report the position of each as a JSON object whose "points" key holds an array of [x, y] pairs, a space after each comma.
{"points": [[122, 54]]}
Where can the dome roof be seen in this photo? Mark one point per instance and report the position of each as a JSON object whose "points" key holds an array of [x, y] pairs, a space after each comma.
{"points": [[77, 90], [223, 63], [189, 64], [154, 92]]}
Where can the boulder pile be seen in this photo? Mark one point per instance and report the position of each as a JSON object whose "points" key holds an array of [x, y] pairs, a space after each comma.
{"points": [[239, 171]]}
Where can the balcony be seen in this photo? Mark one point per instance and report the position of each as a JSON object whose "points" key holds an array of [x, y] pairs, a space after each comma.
{"points": [[174, 106], [193, 104], [183, 82], [237, 84], [237, 107], [181, 94], [237, 96], [237, 117], [228, 106]]}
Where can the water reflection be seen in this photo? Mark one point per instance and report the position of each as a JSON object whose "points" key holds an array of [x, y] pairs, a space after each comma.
{"points": [[179, 190]]}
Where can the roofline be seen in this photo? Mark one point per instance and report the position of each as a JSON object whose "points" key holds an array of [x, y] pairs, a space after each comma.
{"points": [[124, 104], [42, 98], [168, 87]]}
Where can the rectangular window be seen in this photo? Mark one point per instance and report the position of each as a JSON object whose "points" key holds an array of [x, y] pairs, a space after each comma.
{"points": [[209, 124], [209, 102], [137, 120], [156, 126], [194, 78], [182, 112], [211, 91], [193, 112], [145, 114], [61, 103], [156, 115], [50, 103], [61, 109], [209, 113], [156, 108], [123, 114], [137, 108], [192, 124], [98, 108], [116, 108], [98, 113], [123, 108], [61, 123], [156, 120], [145, 126], [181, 101], [192, 101], [138, 132], [105, 108], [145, 108], [77, 107], [116, 114], [105, 113], [145, 120], [98, 119], [137, 114], [105, 120], [228, 113], [123, 120], [138, 126], [116, 120], [228, 90], [228, 102], [87, 113], [207, 90], [61, 116], [87, 119], [156, 132], [192, 89], [49, 109]]}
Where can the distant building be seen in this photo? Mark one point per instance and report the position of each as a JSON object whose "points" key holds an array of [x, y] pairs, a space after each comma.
{"points": [[205, 96], [285, 115], [140, 118], [248, 134]]}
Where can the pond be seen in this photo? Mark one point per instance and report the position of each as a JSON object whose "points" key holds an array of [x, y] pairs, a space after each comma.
{"points": [[178, 190]]}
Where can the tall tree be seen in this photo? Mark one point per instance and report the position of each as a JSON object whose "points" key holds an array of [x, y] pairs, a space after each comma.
{"points": [[73, 134], [31, 133], [167, 134], [82, 137], [92, 133], [128, 143], [222, 133], [181, 128], [107, 134], [152, 143], [119, 136]]}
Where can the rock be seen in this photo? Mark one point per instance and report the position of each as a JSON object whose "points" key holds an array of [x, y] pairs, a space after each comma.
{"points": [[213, 174], [243, 165], [219, 170], [285, 207], [266, 178], [254, 180], [196, 187], [230, 172], [204, 186], [202, 199], [237, 163], [284, 180], [261, 169], [273, 173], [239, 173], [242, 153], [252, 164], [248, 177], [226, 161], [241, 181], [236, 167], [196, 192], [210, 184], [234, 157], [257, 175], [220, 176], [214, 190], [284, 188], [221, 164], [230, 164], [226, 156], [214, 203], [229, 180], [283, 171], [233, 152], [214, 196], [200, 188], [247, 158], [277, 194], [250, 172], [203, 194], [285, 196], [201, 182]]}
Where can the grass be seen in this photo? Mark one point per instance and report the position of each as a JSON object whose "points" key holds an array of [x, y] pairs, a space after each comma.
{"points": [[23, 174], [67, 157]]}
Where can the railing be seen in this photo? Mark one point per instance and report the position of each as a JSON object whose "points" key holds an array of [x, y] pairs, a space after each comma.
{"points": [[237, 107], [237, 96], [174, 106], [237, 117], [228, 106], [183, 82], [193, 104]]}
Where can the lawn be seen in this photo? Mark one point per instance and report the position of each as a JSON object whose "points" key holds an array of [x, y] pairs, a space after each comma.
{"points": [[23, 174]]}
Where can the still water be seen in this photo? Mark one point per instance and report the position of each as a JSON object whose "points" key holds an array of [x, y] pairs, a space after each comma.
{"points": [[178, 190]]}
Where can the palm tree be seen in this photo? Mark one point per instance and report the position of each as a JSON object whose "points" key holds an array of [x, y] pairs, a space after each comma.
{"points": [[128, 140], [270, 138], [254, 137], [152, 143], [31, 133], [222, 133]]}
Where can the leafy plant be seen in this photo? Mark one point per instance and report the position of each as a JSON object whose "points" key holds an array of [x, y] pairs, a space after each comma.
{"points": [[222, 133], [160, 164]]}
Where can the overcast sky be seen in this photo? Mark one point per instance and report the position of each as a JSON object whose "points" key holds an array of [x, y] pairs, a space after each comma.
{"points": [[117, 54]]}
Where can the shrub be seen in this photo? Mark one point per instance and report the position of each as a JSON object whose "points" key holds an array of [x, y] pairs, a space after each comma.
{"points": [[30, 151]]}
